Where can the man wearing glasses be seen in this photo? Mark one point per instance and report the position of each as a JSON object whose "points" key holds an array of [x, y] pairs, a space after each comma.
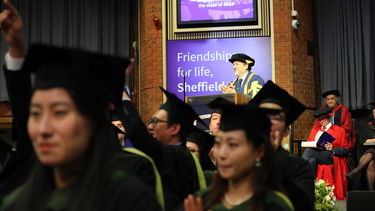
{"points": [[163, 139], [163, 131]]}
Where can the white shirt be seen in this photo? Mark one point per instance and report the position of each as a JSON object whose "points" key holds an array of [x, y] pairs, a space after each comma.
{"points": [[13, 64], [243, 77], [320, 132]]}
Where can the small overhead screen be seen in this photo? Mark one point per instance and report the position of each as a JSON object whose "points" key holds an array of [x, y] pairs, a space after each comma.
{"points": [[216, 13]]}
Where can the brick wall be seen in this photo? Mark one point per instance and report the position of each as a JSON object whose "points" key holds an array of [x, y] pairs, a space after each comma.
{"points": [[295, 70], [306, 75], [151, 58]]}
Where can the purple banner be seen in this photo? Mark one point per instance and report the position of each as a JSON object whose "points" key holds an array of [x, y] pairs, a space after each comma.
{"points": [[202, 65], [203, 10]]}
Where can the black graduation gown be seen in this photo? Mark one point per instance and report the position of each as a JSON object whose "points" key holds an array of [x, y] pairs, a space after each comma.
{"points": [[19, 165], [175, 163], [297, 178], [274, 201], [137, 166], [124, 192]]}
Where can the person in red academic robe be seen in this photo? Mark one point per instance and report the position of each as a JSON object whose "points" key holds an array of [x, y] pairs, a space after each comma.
{"points": [[340, 115], [336, 173]]}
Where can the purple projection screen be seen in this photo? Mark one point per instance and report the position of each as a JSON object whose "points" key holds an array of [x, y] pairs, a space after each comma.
{"points": [[202, 65], [202, 10]]}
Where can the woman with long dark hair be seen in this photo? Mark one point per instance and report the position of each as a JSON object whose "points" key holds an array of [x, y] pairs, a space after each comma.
{"points": [[246, 179], [368, 158], [69, 129]]}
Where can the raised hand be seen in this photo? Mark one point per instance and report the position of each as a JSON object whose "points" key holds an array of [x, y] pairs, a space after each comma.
{"points": [[192, 203], [227, 89], [11, 27], [328, 146]]}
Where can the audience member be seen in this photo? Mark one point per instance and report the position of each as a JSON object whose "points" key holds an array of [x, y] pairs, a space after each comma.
{"points": [[69, 129], [180, 171], [340, 115], [200, 143], [367, 159], [296, 175], [65, 114], [134, 161], [330, 161], [246, 179]]}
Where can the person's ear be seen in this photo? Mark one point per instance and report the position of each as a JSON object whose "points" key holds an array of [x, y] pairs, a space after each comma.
{"points": [[286, 131], [261, 151], [175, 129]]}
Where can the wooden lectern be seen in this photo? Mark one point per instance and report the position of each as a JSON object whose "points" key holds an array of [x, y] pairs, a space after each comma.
{"points": [[236, 98]]}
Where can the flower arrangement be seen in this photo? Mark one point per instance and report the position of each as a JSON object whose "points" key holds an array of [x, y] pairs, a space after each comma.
{"points": [[325, 200]]}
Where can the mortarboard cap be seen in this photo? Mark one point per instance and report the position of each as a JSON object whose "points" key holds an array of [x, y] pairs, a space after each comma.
{"points": [[323, 112], [331, 92], [250, 118], [272, 93], [79, 70], [117, 114], [180, 112], [205, 142], [243, 58], [217, 104]]}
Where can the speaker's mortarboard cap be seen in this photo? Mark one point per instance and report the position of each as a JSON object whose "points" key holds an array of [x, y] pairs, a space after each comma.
{"points": [[243, 58]]}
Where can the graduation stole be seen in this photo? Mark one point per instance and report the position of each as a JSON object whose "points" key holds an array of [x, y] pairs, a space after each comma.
{"points": [[246, 91], [201, 178], [158, 184]]}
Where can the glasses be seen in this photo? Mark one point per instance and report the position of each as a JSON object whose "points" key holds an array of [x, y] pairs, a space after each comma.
{"points": [[154, 121]]}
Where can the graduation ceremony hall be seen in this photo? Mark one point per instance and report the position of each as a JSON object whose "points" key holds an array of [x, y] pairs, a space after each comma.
{"points": [[187, 105]]}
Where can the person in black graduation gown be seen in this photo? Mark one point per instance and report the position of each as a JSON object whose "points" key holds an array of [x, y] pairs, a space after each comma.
{"points": [[367, 160], [18, 165], [297, 175], [69, 128], [200, 143], [247, 177], [165, 144], [134, 161]]}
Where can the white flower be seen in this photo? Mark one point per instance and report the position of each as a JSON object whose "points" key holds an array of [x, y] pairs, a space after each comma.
{"points": [[320, 182], [327, 197]]}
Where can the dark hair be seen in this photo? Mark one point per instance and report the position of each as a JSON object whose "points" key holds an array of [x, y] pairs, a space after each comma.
{"points": [[263, 178], [93, 178], [174, 119]]}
